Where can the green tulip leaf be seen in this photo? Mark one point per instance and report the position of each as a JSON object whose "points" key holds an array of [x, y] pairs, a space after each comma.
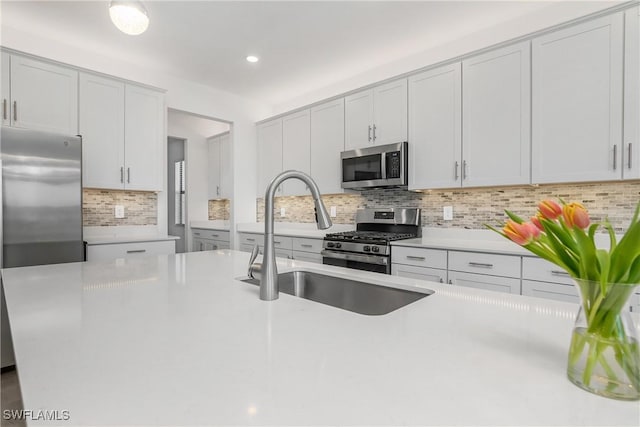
{"points": [[514, 217]]}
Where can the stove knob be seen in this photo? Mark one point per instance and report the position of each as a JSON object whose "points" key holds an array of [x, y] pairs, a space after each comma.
{"points": [[375, 249], [366, 249], [331, 244], [338, 245]]}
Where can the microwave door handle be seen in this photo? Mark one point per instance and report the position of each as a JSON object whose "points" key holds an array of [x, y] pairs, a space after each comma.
{"points": [[383, 165]]}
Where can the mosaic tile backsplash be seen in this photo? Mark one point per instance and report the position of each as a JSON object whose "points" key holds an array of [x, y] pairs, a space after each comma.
{"points": [[140, 207], [472, 208], [219, 209]]}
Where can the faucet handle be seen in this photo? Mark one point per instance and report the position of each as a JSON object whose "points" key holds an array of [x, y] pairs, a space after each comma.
{"points": [[252, 258]]}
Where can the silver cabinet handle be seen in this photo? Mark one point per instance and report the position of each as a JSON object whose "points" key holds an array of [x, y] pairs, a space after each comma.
{"points": [[137, 251], [369, 132], [217, 190], [450, 282], [374, 133], [615, 156], [201, 246], [441, 281], [215, 235], [122, 174], [559, 273], [455, 170], [196, 234], [215, 247], [416, 258], [480, 264], [250, 240], [629, 161], [464, 170], [4, 109], [128, 175], [306, 246], [275, 242], [15, 111]]}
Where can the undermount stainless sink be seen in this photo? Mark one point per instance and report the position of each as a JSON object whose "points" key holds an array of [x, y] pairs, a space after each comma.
{"points": [[347, 294]]}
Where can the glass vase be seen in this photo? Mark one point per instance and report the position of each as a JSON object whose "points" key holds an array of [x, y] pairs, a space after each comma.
{"points": [[604, 357]]}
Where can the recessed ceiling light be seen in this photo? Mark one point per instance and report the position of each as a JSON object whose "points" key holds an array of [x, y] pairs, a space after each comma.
{"points": [[252, 58]]}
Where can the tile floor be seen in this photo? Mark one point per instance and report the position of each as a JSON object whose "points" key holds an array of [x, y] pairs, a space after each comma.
{"points": [[10, 397]]}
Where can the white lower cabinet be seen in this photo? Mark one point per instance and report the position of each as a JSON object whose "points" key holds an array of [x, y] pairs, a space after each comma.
{"points": [[421, 273], [129, 250], [209, 240], [508, 285], [555, 291], [298, 248]]}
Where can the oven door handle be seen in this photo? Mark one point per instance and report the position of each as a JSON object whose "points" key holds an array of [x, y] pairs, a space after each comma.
{"points": [[369, 259]]}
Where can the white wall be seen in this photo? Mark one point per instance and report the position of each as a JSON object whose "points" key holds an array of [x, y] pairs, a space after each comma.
{"points": [[181, 95], [554, 14]]}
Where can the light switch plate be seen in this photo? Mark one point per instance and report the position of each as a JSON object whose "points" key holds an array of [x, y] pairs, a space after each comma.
{"points": [[447, 213], [334, 212], [282, 212], [119, 211]]}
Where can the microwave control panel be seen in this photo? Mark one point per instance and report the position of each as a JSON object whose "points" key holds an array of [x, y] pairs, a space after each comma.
{"points": [[393, 164]]}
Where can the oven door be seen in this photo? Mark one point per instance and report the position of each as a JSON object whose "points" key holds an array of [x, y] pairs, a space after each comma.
{"points": [[375, 263]]}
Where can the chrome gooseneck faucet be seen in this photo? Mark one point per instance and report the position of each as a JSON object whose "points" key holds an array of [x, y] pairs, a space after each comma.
{"points": [[268, 270]]}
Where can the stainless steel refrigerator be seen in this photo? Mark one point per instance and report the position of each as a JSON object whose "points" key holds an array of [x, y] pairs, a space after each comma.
{"points": [[41, 205]]}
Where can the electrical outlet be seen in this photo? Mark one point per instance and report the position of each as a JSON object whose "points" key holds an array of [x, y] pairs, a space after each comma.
{"points": [[334, 212], [119, 211], [282, 212], [447, 213]]}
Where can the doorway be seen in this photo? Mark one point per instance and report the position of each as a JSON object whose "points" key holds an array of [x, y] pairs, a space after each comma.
{"points": [[176, 200]]}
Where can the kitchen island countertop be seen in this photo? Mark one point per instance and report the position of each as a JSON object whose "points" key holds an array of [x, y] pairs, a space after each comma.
{"points": [[176, 340]]}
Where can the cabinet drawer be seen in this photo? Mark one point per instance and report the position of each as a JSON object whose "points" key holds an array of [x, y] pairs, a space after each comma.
{"points": [[542, 270], [495, 265], [128, 250], [481, 281], [420, 273], [554, 291], [251, 239], [307, 256], [432, 258], [307, 245], [210, 234], [281, 242]]}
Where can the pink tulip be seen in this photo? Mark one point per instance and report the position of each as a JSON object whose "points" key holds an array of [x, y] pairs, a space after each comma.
{"points": [[535, 220], [575, 215], [522, 234], [549, 209]]}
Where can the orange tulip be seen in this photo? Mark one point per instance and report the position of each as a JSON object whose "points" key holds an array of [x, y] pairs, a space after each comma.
{"points": [[550, 209], [535, 220], [575, 215], [522, 234]]}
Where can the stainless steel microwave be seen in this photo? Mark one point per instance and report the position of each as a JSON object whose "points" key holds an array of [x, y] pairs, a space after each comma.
{"points": [[378, 166]]}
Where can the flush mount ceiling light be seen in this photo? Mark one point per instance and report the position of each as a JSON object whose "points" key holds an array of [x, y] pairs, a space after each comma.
{"points": [[130, 17], [252, 58]]}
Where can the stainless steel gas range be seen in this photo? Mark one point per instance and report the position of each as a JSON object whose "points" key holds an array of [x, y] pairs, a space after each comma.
{"points": [[369, 247]]}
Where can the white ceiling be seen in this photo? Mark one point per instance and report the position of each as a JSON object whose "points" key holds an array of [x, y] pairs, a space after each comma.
{"points": [[303, 45]]}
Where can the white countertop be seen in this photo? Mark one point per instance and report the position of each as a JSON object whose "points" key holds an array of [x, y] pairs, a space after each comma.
{"points": [[221, 225], [175, 340], [294, 229], [135, 238]]}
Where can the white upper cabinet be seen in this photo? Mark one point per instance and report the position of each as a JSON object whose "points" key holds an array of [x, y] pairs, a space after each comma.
{"points": [[327, 141], [44, 96], [631, 144], [390, 112], [496, 117], [376, 116], [6, 88], [219, 173], [144, 138], [122, 128], [435, 125], [102, 128], [269, 154], [296, 146], [213, 172], [577, 102], [226, 174], [358, 111]]}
